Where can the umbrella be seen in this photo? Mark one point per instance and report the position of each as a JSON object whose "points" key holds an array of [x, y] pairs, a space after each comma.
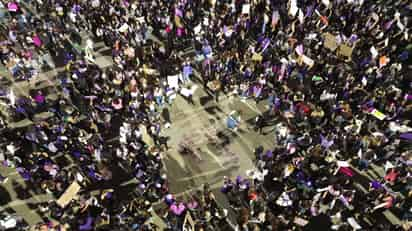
{"points": [[178, 209]]}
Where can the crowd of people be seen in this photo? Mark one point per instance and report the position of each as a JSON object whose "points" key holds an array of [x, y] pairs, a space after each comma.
{"points": [[335, 75]]}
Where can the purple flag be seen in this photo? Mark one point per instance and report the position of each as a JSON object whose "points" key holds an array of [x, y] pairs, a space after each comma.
{"points": [[265, 44], [178, 12], [406, 136]]}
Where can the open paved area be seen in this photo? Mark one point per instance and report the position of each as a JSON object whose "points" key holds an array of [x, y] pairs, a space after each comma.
{"points": [[219, 151], [202, 150]]}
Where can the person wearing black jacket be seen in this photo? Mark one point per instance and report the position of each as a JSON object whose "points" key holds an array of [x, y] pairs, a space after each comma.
{"points": [[259, 123]]}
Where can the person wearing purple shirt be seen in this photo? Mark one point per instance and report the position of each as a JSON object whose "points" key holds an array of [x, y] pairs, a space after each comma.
{"points": [[187, 71]]}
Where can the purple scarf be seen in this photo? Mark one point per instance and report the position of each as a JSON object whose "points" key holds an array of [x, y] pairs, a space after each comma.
{"points": [[87, 225], [39, 98]]}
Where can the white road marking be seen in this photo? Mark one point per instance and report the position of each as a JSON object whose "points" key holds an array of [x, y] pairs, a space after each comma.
{"points": [[254, 108], [216, 158]]}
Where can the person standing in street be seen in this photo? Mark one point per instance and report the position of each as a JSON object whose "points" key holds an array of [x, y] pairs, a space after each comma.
{"points": [[215, 86], [259, 123]]}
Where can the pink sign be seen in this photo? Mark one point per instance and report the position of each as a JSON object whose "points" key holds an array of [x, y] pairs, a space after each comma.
{"points": [[13, 7]]}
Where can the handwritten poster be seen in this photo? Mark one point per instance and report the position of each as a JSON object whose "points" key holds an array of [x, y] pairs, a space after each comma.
{"points": [[68, 195]]}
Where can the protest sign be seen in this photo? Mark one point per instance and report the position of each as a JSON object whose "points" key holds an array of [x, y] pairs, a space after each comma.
{"points": [[68, 195], [173, 81], [374, 52], [300, 221], [326, 3], [330, 41], [186, 92], [12, 7], [352, 222], [257, 57], [377, 114], [124, 28], [342, 163], [197, 29], [293, 9], [345, 50], [140, 19], [301, 17], [308, 61], [245, 8]]}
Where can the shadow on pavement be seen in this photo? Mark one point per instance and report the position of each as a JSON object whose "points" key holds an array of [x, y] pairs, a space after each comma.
{"points": [[205, 99], [21, 191], [4, 196]]}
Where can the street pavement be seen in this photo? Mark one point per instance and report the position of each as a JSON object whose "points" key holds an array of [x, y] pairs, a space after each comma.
{"points": [[220, 152]]}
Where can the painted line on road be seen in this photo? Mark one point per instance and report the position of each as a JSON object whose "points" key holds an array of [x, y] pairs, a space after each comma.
{"points": [[254, 108], [216, 158], [163, 163]]}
